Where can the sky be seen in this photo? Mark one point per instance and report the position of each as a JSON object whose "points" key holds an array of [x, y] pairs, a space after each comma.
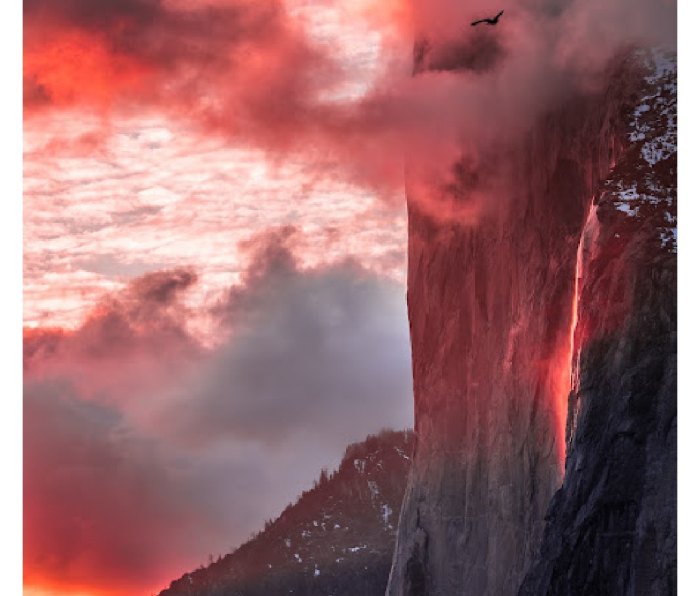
{"points": [[209, 319], [215, 245]]}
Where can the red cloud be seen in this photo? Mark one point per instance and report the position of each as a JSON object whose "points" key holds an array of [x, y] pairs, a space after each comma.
{"points": [[77, 66], [249, 70], [173, 55]]}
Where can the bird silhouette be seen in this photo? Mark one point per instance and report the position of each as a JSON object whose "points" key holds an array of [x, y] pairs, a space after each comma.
{"points": [[492, 21]]}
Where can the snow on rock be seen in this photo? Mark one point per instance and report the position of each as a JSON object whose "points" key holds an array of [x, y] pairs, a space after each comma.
{"points": [[658, 105], [354, 549], [386, 512], [645, 184], [373, 488]]}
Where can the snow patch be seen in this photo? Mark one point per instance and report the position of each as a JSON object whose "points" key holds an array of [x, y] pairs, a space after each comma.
{"points": [[354, 549], [658, 107], [386, 512], [373, 488], [625, 208], [645, 186]]}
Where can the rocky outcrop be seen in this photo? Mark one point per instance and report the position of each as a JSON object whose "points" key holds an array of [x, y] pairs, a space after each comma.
{"points": [[611, 528], [336, 539], [491, 310]]}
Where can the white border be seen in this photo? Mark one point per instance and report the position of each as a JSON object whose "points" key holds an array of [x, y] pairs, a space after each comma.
{"points": [[11, 297]]}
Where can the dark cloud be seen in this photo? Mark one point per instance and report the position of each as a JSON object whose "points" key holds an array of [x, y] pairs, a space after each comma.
{"points": [[239, 66], [321, 353], [141, 329], [161, 33], [145, 452], [161, 288], [477, 52]]}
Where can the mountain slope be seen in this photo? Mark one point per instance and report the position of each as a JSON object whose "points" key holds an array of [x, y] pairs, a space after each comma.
{"points": [[337, 539]]}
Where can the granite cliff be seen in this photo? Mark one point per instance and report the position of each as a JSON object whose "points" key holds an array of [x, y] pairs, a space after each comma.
{"points": [[611, 528], [548, 294]]}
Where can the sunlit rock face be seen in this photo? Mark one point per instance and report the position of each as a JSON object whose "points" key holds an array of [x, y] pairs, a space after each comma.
{"points": [[492, 308], [611, 528]]}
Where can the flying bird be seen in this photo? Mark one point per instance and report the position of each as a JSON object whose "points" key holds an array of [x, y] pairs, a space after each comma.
{"points": [[492, 21]]}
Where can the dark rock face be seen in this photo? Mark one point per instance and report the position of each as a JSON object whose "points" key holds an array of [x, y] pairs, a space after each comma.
{"points": [[337, 539], [491, 308], [611, 528]]}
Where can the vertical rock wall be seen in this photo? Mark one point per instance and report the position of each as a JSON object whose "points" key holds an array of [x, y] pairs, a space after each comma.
{"points": [[611, 528], [490, 309]]}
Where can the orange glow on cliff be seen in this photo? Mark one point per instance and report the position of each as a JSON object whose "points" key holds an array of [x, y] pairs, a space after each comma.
{"points": [[567, 378], [569, 368], [561, 391]]}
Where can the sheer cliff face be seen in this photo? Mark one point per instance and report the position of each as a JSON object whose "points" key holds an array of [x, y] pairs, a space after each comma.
{"points": [[612, 526], [492, 309]]}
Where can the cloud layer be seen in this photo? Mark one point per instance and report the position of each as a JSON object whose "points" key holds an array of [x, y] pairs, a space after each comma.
{"points": [[158, 194], [261, 74], [137, 438], [300, 358]]}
